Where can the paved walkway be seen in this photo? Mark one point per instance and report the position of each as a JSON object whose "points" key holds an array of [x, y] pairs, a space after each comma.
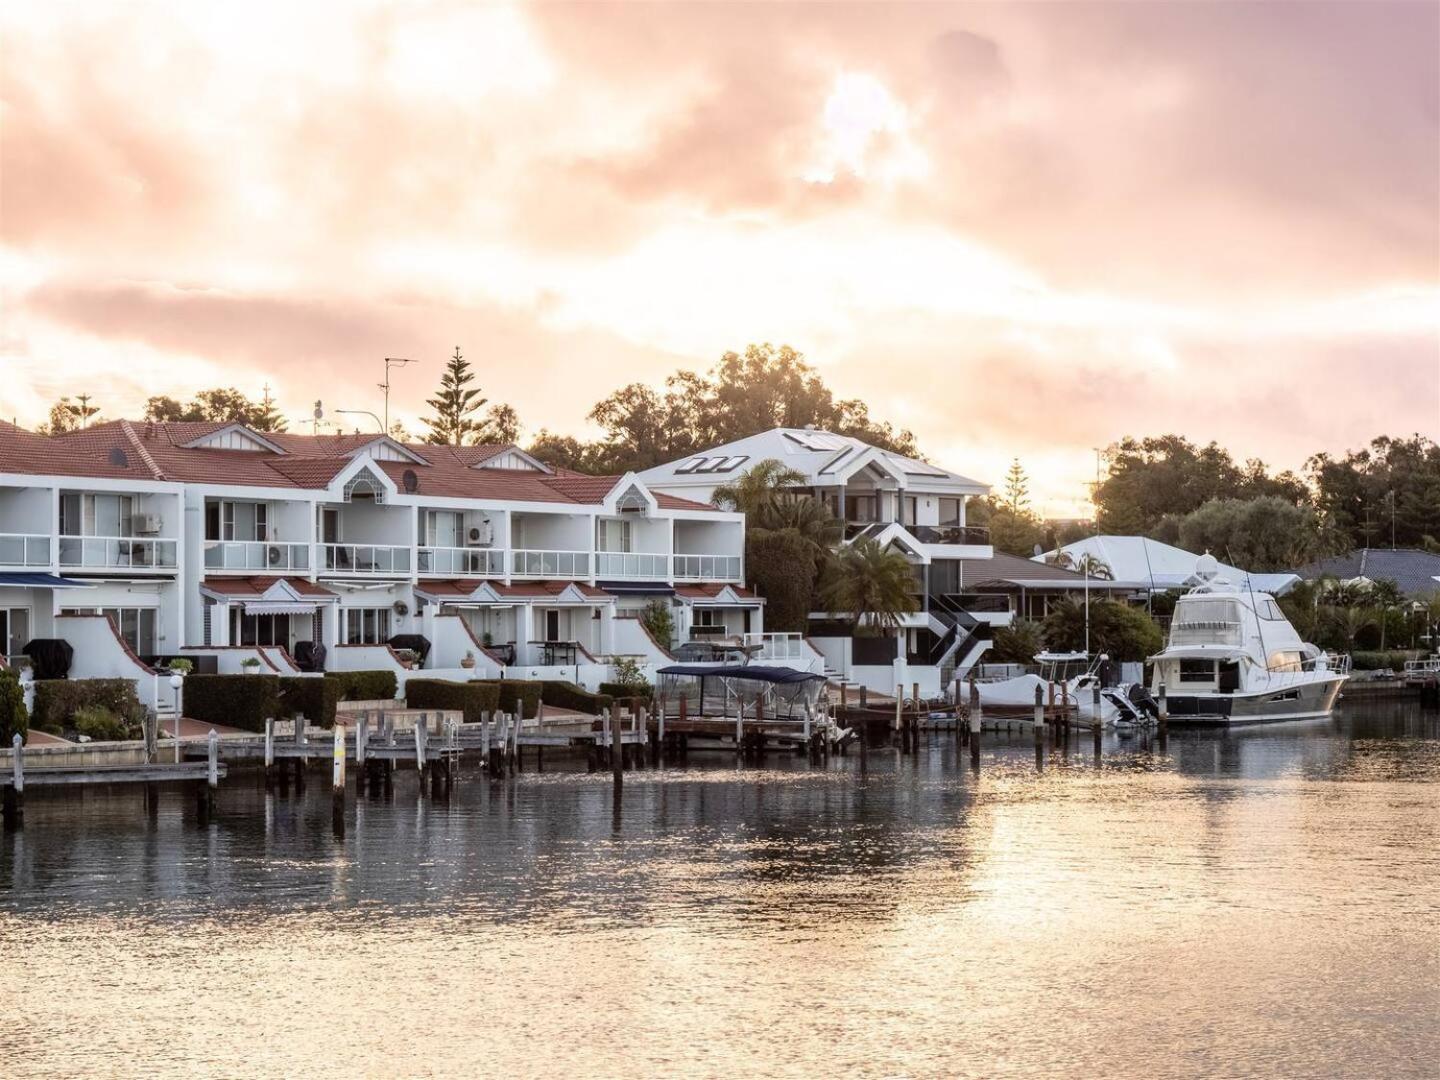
{"points": [[196, 729], [44, 738]]}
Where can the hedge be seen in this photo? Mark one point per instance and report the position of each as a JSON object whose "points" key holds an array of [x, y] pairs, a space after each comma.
{"points": [[516, 694], [58, 700], [14, 720], [365, 685], [474, 699], [566, 695], [310, 696], [1376, 661], [622, 692], [240, 701]]}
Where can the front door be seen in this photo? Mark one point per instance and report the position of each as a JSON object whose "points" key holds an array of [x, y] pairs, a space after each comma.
{"points": [[552, 625]]}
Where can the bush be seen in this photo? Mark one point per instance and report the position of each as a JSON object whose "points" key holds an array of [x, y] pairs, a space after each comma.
{"points": [[1122, 632], [239, 701], [58, 700], [657, 618], [1016, 644], [365, 685], [627, 691], [566, 695], [102, 725], [1376, 661], [518, 693], [472, 698], [310, 696], [14, 720]]}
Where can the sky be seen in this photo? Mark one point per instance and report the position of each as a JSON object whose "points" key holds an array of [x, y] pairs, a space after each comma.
{"points": [[1020, 230]]}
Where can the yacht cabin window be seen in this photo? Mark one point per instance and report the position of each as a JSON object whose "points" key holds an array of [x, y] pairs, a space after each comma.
{"points": [[1197, 671]]}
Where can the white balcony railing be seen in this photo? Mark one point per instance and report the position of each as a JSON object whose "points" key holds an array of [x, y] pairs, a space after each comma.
{"points": [[549, 564], [117, 553], [388, 559], [462, 561], [632, 564], [707, 567], [24, 549], [256, 555]]}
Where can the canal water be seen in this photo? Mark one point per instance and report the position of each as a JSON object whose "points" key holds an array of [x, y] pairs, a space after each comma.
{"points": [[1264, 902]]}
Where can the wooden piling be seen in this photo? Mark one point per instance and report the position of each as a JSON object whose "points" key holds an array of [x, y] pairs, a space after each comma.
{"points": [[1039, 712], [269, 752], [362, 736], [617, 759], [899, 724], [14, 807], [420, 738], [337, 780]]}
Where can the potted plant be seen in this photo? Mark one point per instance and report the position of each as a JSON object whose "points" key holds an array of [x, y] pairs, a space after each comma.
{"points": [[487, 639], [468, 661], [181, 666], [407, 657], [251, 664]]}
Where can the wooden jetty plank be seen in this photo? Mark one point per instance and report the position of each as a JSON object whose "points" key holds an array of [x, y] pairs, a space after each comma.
{"points": [[117, 774]]}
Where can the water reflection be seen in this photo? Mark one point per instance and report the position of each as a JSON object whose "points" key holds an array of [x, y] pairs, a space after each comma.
{"points": [[1261, 900]]}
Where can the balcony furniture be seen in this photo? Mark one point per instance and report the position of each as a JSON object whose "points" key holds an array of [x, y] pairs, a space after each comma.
{"points": [[558, 653], [419, 644], [50, 658], [504, 653], [309, 656]]}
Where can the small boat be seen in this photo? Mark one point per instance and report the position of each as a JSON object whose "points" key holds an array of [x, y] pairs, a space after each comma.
{"points": [[1078, 674], [1233, 658]]}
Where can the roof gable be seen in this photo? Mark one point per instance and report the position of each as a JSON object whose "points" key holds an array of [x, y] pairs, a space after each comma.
{"points": [[234, 437]]}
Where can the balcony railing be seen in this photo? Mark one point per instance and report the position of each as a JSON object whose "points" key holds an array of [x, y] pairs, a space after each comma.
{"points": [[117, 553], [462, 561], [950, 534], [707, 567], [632, 564], [256, 555], [550, 564], [386, 559], [24, 549]]}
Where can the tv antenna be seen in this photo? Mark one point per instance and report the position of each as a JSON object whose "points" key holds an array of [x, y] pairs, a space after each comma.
{"points": [[390, 361]]}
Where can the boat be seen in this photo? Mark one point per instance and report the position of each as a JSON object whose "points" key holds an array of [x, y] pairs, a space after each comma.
{"points": [[1233, 658], [1070, 678]]}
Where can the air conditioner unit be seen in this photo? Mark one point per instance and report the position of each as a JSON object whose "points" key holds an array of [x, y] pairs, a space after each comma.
{"points": [[273, 555], [481, 535], [147, 524]]}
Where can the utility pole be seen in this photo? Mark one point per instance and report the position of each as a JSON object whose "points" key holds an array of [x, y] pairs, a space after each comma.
{"points": [[390, 361]]}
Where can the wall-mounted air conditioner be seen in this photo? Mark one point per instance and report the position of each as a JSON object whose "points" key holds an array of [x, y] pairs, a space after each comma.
{"points": [[147, 524], [481, 535]]}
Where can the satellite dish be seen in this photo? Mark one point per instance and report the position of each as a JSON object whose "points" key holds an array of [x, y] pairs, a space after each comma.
{"points": [[319, 412], [119, 458], [1207, 567], [410, 480]]}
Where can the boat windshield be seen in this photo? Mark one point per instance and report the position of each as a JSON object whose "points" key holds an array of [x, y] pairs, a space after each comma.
{"points": [[1205, 621]]}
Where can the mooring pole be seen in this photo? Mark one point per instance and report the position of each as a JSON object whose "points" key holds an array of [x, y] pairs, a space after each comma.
{"points": [[617, 760], [269, 752], [337, 780], [14, 809]]}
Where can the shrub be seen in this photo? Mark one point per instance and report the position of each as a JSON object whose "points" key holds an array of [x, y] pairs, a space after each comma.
{"points": [[566, 695], [58, 700], [1375, 661], [100, 724], [14, 720], [472, 698], [365, 685], [240, 701], [657, 618], [1118, 630], [310, 696], [627, 691], [516, 694], [1016, 644]]}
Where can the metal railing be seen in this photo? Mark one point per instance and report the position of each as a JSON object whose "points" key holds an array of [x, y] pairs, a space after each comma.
{"points": [[707, 567], [549, 564], [950, 534], [464, 561], [1205, 632], [783, 646], [632, 564], [256, 555], [364, 559], [24, 549], [117, 553]]}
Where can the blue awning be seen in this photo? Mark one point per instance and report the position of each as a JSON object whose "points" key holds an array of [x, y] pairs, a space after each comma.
{"points": [[41, 581], [739, 671]]}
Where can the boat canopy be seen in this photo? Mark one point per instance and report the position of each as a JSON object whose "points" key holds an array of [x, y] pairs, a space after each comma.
{"points": [[753, 672], [744, 689]]}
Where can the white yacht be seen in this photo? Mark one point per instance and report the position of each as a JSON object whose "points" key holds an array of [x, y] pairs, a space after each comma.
{"points": [[1233, 658]]}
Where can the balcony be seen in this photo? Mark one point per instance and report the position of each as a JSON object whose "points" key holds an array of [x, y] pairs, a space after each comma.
{"points": [[462, 561], [707, 567], [386, 560], [635, 565], [968, 535], [256, 555], [116, 553], [530, 563], [24, 549]]}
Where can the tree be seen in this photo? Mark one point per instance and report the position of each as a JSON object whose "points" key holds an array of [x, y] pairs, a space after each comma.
{"points": [[757, 491], [780, 566], [656, 617], [455, 405], [1017, 643], [222, 405], [1262, 534], [1017, 489], [871, 584], [14, 720], [1121, 632], [71, 415], [1091, 565], [563, 451], [1389, 489]]}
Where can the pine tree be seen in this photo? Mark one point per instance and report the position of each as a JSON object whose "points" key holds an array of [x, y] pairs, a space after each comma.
{"points": [[265, 417], [1017, 489], [455, 404]]}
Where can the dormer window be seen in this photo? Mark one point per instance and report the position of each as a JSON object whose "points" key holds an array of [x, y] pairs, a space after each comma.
{"points": [[365, 485]]}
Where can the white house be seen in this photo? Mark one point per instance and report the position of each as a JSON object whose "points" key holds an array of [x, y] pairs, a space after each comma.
{"points": [[911, 506], [1155, 567], [215, 540]]}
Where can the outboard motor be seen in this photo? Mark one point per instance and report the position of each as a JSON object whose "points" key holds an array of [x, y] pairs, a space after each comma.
{"points": [[1144, 702]]}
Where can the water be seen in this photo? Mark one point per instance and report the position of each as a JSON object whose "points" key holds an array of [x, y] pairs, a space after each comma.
{"points": [[1256, 903]]}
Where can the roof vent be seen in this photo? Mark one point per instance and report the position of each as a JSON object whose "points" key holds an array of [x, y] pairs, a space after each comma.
{"points": [[410, 481], [119, 458]]}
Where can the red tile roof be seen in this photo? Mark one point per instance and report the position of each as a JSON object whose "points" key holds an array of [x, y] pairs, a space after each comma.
{"points": [[159, 451], [708, 590], [255, 587], [534, 590]]}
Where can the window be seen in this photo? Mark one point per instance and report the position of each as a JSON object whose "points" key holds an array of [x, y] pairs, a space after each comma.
{"points": [[367, 626], [259, 629], [950, 511], [329, 525], [225, 520], [708, 617], [444, 528], [96, 515], [612, 535], [1197, 671], [1268, 610], [136, 626], [862, 507], [14, 630], [910, 506]]}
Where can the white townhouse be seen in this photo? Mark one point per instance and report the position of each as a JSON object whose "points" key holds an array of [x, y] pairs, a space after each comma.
{"points": [[903, 504], [220, 542]]}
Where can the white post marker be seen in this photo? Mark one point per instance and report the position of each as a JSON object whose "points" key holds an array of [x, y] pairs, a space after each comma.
{"points": [[17, 767], [212, 760], [269, 742], [337, 774]]}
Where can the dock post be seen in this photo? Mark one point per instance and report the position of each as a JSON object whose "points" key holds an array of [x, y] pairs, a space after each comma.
{"points": [[14, 810], [420, 738], [809, 745], [844, 695], [660, 732], [212, 776], [337, 780], [269, 752], [362, 732], [900, 715], [863, 695], [1039, 712], [977, 720], [617, 759], [739, 727], [1164, 709], [1096, 720]]}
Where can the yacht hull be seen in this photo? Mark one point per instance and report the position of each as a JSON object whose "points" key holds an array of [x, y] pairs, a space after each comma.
{"points": [[1310, 700]]}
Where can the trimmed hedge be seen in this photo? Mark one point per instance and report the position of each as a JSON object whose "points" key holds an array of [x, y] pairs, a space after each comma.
{"points": [[310, 696], [621, 692], [241, 701], [567, 695], [1376, 661], [14, 720], [471, 698], [58, 700], [517, 694], [365, 685]]}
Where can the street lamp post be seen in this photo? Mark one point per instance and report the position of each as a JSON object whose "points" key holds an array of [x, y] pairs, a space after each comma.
{"points": [[390, 361], [364, 412]]}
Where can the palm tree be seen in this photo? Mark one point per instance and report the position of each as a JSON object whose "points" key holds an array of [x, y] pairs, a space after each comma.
{"points": [[809, 517], [759, 489], [1349, 622], [871, 584], [1095, 567]]}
